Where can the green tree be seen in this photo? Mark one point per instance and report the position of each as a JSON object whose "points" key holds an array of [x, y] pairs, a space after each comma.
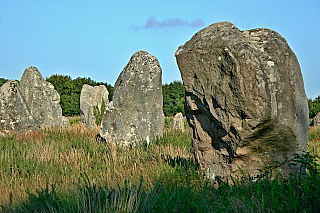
{"points": [[173, 98], [2, 81]]}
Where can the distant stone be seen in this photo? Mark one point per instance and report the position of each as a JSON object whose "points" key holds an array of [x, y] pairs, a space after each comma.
{"points": [[65, 121], [136, 112], [14, 112], [41, 97], [91, 98], [177, 124], [316, 121], [245, 99]]}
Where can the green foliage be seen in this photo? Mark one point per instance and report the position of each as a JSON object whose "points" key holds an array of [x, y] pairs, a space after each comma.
{"points": [[98, 113], [173, 98], [167, 122], [2, 81], [314, 106], [70, 89]]}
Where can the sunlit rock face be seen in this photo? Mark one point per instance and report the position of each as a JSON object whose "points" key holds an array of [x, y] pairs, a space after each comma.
{"points": [[91, 99], [136, 111], [14, 111], [41, 97], [245, 100]]}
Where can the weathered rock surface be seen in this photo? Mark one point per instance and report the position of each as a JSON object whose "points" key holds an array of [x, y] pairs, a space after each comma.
{"points": [[245, 99], [14, 112], [41, 97], [90, 98], [316, 121], [177, 124], [136, 112]]}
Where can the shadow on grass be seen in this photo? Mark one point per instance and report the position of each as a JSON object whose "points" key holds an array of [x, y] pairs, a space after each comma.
{"points": [[265, 194], [180, 161]]}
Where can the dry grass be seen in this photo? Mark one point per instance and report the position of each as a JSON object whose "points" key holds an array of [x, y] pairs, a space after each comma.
{"points": [[314, 142], [59, 156]]}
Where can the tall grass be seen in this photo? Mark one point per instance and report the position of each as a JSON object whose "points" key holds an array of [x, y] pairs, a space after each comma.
{"points": [[66, 170], [58, 156]]}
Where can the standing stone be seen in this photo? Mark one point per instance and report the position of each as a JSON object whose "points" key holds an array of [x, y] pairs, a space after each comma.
{"points": [[91, 98], [41, 97], [316, 121], [14, 112], [136, 112], [177, 124], [245, 99]]}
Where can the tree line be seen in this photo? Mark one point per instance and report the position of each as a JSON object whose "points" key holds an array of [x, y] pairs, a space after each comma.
{"points": [[173, 95], [70, 89]]}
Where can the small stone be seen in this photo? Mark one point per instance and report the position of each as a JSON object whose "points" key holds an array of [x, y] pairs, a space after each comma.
{"points": [[65, 121], [316, 121], [177, 124]]}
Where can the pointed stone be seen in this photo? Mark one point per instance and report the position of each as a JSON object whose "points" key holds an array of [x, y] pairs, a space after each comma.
{"points": [[136, 112], [43, 100]]}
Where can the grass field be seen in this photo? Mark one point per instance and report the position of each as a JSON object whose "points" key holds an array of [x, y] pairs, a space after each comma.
{"points": [[66, 170]]}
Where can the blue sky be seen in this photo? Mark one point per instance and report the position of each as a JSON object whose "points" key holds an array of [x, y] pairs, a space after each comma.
{"points": [[96, 38]]}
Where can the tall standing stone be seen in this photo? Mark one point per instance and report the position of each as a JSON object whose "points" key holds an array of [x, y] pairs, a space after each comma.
{"points": [[41, 97], [136, 112], [245, 99], [90, 99], [14, 112]]}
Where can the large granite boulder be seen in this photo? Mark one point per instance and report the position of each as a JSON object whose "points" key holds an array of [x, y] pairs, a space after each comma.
{"points": [[316, 121], [136, 112], [91, 99], [14, 112], [245, 100], [41, 97], [177, 124]]}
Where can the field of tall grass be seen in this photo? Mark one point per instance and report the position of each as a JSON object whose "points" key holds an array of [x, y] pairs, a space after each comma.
{"points": [[66, 170]]}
